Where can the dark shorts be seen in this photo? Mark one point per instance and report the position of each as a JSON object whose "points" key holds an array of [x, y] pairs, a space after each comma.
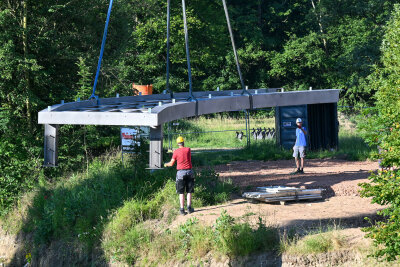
{"points": [[184, 181]]}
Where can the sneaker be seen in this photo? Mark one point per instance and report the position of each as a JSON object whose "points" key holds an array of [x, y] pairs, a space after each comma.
{"points": [[190, 209], [182, 211], [296, 172], [301, 171]]}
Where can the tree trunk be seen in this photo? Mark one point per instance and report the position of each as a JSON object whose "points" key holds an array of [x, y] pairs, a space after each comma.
{"points": [[319, 18], [26, 52]]}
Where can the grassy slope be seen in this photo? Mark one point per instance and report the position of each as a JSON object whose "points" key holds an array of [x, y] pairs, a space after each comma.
{"points": [[109, 200], [127, 211], [332, 240]]}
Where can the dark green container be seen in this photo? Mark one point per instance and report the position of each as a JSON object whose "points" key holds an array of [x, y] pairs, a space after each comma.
{"points": [[320, 120]]}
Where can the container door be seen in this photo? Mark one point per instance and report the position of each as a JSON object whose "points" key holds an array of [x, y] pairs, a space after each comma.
{"points": [[323, 124], [286, 124]]}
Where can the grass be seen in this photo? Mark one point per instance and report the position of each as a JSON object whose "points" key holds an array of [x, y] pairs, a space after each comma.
{"points": [[332, 239], [228, 148], [189, 242], [77, 208], [351, 147], [320, 241], [215, 139], [128, 211]]}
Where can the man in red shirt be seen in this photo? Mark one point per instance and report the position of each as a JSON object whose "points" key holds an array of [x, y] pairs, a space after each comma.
{"points": [[184, 175]]}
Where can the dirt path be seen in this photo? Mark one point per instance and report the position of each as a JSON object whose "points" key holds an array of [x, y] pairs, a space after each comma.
{"points": [[338, 177], [341, 205]]}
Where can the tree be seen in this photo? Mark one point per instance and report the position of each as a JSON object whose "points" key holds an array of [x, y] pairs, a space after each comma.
{"points": [[383, 129]]}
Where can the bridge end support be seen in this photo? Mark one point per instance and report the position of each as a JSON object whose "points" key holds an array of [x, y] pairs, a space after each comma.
{"points": [[51, 145], [156, 148]]}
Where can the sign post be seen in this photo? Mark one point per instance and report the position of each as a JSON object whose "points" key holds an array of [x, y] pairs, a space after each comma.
{"points": [[131, 138]]}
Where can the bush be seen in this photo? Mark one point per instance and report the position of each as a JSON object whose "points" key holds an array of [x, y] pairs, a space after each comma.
{"points": [[314, 243], [125, 237], [382, 128], [240, 239], [191, 241], [210, 190]]}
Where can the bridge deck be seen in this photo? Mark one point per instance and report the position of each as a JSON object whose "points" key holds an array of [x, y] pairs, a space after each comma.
{"points": [[154, 110]]}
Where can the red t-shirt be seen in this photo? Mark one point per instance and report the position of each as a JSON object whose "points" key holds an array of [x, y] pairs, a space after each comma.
{"points": [[183, 157]]}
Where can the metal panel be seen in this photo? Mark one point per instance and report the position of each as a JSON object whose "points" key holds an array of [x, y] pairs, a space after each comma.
{"points": [[287, 124], [50, 145], [294, 98], [156, 148], [98, 118], [135, 110]]}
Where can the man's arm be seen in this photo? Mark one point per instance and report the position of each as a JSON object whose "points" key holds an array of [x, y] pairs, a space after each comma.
{"points": [[170, 164], [304, 131]]}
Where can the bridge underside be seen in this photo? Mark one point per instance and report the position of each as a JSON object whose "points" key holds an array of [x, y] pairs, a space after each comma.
{"points": [[155, 110]]}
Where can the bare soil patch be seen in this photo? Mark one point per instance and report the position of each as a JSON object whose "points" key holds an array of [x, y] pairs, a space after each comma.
{"points": [[341, 204], [338, 177]]}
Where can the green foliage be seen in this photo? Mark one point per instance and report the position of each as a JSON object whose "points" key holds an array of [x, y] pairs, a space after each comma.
{"points": [[84, 89], [79, 206], [145, 246], [382, 128], [210, 190], [290, 44], [126, 234], [384, 190], [239, 239], [321, 241]]}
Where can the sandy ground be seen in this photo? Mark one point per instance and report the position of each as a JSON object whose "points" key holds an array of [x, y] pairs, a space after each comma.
{"points": [[341, 204], [338, 177]]}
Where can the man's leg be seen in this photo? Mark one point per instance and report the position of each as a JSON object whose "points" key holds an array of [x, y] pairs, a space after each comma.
{"points": [[182, 200], [302, 156], [295, 155], [190, 190], [189, 199], [180, 189]]}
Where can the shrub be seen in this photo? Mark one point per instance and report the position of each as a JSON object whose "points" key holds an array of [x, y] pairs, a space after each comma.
{"points": [[121, 240], [191, 241], [210, 190], [382, 127], [313, 243]]}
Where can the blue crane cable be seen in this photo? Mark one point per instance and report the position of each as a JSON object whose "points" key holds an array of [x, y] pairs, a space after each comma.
{"points": [[102, 51]]}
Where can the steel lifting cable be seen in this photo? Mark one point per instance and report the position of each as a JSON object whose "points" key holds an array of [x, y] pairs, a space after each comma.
{"points": [[244, 91], [102, 51], [191, 96], [234, 46]]}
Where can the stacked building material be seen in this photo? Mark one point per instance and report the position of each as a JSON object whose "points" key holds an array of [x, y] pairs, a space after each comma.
{"points": [[282, 194]]}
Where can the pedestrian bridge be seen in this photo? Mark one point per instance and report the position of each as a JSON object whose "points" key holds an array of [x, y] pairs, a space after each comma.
{"points": [[155, 110]]}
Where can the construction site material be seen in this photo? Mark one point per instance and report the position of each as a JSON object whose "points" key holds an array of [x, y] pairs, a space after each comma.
{"points": [[142, 89], [282, 194]]}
